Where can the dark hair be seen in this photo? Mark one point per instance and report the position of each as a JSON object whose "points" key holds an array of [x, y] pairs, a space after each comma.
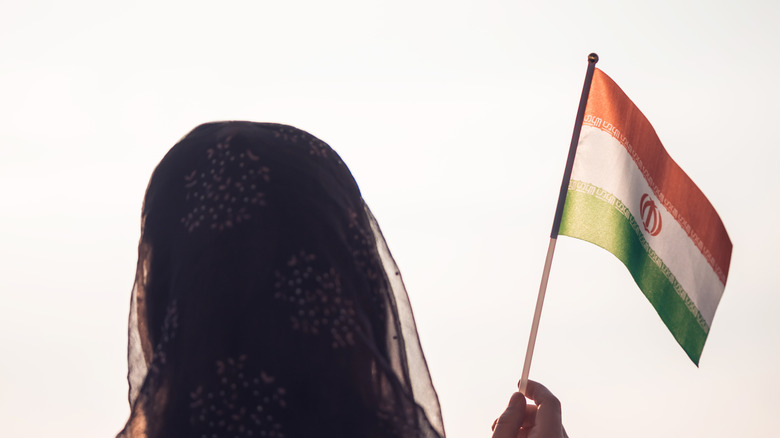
{"points": [[261, 268]]}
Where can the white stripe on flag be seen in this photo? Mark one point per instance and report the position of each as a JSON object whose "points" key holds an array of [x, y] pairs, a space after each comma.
{"points": [[604, 162]]}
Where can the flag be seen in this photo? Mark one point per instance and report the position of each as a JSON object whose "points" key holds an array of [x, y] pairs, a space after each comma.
{"points": [[627, 195]]}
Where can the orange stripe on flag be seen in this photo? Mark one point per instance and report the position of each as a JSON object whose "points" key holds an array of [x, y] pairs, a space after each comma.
{"points": [[610, 110]]}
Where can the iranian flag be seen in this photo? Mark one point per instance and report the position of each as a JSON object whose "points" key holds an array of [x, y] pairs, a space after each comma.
{"points": [[628, 196]]}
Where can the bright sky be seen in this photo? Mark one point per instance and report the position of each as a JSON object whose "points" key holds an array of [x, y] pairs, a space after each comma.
{"points": [[455, 118]]}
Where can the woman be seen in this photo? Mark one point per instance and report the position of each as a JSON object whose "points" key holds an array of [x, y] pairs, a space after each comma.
{"points": [[266, 302]]}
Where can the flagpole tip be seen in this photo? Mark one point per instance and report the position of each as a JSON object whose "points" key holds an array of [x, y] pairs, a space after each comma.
{"points": [[594, 58]]}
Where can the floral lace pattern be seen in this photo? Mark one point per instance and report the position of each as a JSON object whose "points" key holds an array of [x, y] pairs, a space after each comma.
{"points": [[221, 194], [319, 299], [167, 335], [240, 405], [291, 135], [362, 255], [266, 302]]}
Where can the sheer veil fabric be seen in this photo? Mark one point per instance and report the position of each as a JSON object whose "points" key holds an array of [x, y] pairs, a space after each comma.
{"points": [[266, 302]]}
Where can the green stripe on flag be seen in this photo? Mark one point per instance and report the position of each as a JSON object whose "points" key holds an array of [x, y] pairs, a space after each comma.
{"points": [[596, 216]]}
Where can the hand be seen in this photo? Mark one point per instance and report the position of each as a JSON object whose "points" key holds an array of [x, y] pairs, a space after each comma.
{"points": [[521, 420]]}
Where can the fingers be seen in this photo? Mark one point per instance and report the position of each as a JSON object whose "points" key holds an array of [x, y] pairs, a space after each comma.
{"points": [[548, 412], [508, 424], [540, 394]]}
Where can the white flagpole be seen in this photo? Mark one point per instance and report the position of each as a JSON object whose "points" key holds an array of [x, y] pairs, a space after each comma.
{"points": [[529, 353]]}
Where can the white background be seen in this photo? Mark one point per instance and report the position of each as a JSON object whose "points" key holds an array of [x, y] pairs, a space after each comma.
{"points": [[455, 118]]}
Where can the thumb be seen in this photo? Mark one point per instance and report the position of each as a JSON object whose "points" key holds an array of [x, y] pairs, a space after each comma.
{"points": [[508, 424]]}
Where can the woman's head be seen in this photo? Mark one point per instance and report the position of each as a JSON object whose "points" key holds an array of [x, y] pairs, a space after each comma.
{"points": [[265, 299]]}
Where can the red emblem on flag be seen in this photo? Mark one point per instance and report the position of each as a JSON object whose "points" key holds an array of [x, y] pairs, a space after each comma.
{"points": [[651, 217]]}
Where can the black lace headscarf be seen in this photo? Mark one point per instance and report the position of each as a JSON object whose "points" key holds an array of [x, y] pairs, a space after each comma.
{"points": [[266, 302]]}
